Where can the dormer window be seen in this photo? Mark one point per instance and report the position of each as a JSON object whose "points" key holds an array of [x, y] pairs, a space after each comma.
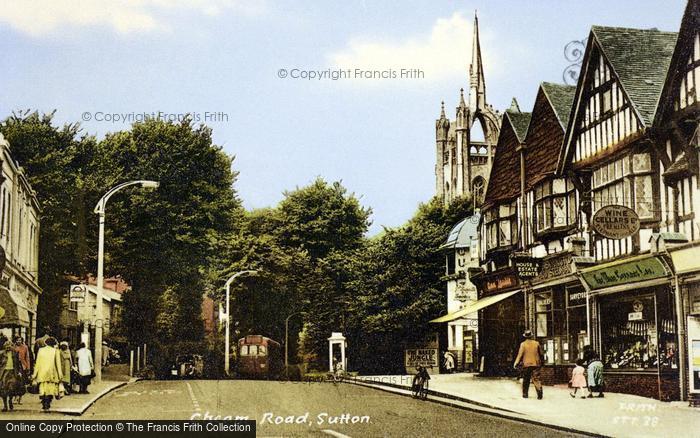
{"points": [[555, 204]]}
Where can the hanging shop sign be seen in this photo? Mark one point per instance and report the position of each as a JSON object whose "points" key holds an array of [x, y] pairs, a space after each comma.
{"points": [[615, 222], [465, 290], [648, 268], [527, 267]]}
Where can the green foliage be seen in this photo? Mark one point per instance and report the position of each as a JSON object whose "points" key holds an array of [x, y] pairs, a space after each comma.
{"points": [[397, 288]]}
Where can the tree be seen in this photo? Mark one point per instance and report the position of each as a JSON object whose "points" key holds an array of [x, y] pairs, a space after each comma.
{"points": [[55, 160], [397, 288]]}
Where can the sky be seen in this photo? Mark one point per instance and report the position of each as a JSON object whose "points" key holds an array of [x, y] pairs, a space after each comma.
{"points": [[260, 74]]}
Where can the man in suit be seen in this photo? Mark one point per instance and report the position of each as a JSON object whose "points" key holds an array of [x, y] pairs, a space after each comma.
{"points": [[531, 355]]}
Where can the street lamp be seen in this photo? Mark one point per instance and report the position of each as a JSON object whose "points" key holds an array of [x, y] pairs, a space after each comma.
{"points": [[286, 341], [100, 210], [227, 359]]}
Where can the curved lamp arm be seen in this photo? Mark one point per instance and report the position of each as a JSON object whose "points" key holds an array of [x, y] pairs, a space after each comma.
{"points": [[146, 184]]}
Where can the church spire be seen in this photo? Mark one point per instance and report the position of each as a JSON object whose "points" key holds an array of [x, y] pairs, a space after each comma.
{"points": [[442, 110], [477, 85]]}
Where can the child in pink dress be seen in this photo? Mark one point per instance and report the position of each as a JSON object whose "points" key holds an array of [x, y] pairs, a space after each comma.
{"points": [[578, 379]]}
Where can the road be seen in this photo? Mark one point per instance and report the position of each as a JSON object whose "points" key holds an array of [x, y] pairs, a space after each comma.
{"points": [[323, 409]]}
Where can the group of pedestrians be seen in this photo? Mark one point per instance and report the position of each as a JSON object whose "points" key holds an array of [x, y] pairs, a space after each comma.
{"points": [[52, 372], [531, 357]]}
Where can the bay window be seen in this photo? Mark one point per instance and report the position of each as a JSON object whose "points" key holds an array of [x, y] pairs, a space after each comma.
{"points": [[501, 225], [555, 204]]}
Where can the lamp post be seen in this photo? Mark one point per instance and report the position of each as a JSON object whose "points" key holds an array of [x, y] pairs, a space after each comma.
{"points": [[227, 359], [286, 341], [100, 210]]}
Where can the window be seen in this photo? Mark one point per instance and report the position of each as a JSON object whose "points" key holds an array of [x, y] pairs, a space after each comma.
{"points": [[450, 263], [555, 204], [626, 181], [478, 189], [631, 338], [550, 324], [501, 226]]}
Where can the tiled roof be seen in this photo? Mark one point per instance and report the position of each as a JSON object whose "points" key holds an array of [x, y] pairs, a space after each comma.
{"points": [[641, 58], [520, 123], [545, 136], [562, 99], [504, 182]]}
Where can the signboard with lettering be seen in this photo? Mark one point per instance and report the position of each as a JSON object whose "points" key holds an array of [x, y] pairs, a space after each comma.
{"points": [[500, 282], [77, 293], [635, 316], [639, 270], [465, 290], [615, 222], [426, 357], [577, 297], [527, 267]]}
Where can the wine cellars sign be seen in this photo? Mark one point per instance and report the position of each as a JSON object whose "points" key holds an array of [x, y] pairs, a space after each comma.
{"points": [[615, 222]]}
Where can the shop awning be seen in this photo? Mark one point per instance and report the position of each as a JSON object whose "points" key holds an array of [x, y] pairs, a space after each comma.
{"points": [[630, 273], [11, 313], [474, 307], [686, 259]]}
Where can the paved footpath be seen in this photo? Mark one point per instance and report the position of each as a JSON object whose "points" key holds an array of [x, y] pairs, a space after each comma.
{"points": [[113, 377], [617, 415]]}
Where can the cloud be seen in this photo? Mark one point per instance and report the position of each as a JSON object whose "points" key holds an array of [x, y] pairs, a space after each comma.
{"points": [[444, 52], [43, 17]]}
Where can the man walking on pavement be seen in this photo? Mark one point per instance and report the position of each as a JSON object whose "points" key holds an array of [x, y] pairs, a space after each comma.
{"points": [[530, 353]]}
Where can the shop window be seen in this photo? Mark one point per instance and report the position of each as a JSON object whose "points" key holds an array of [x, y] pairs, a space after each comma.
{"points": [[577, 326], [550, 325], [450, 263], [630, 336]]}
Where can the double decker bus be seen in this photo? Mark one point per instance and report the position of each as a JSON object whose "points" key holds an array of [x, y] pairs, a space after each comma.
{"points": [[259, 357]]}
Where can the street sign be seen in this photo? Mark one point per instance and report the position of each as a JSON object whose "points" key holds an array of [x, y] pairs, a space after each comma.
{"points": [[77, 293], [615, 222]]}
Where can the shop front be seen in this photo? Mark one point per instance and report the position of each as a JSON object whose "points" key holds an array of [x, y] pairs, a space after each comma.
{"points": [[558, 314], [633, 323], [501, 321], [686, 264]]}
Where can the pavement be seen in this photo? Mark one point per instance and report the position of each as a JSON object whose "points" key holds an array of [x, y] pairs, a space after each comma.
{"points": [[616, 415], [113, 377]]}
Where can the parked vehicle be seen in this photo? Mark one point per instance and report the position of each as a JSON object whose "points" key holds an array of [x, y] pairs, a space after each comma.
{"points": [[259, 357], [188, 366]]}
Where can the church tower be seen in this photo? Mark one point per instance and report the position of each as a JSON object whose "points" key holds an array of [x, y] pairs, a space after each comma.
{"points": [[466, 145]]}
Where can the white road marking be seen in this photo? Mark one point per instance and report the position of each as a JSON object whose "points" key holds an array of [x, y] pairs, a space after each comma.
{"points": [[334, 433], [195, 403]]}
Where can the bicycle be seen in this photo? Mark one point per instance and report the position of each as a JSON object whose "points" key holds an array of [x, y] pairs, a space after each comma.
{"points": [[419, 389]]}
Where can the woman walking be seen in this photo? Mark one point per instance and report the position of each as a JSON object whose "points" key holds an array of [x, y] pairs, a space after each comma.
{"points": [[47, 372], [85, 367], [66, 366], [10, 376]]}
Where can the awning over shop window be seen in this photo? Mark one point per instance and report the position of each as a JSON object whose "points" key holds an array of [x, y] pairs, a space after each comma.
{"points": [[474, 307], [11, 313], [686, 259], [627, 272]]}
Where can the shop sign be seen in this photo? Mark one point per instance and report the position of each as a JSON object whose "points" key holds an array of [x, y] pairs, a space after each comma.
{"points": [[635, 316], [630, 272], [500, 283], [465, 290], [425, 357], [577, 298], [77, 293], [527, 267], [615, 222], [557, 266]]}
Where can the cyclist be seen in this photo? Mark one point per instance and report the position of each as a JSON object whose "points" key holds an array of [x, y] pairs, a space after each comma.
{"points": [[420, 380]]}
